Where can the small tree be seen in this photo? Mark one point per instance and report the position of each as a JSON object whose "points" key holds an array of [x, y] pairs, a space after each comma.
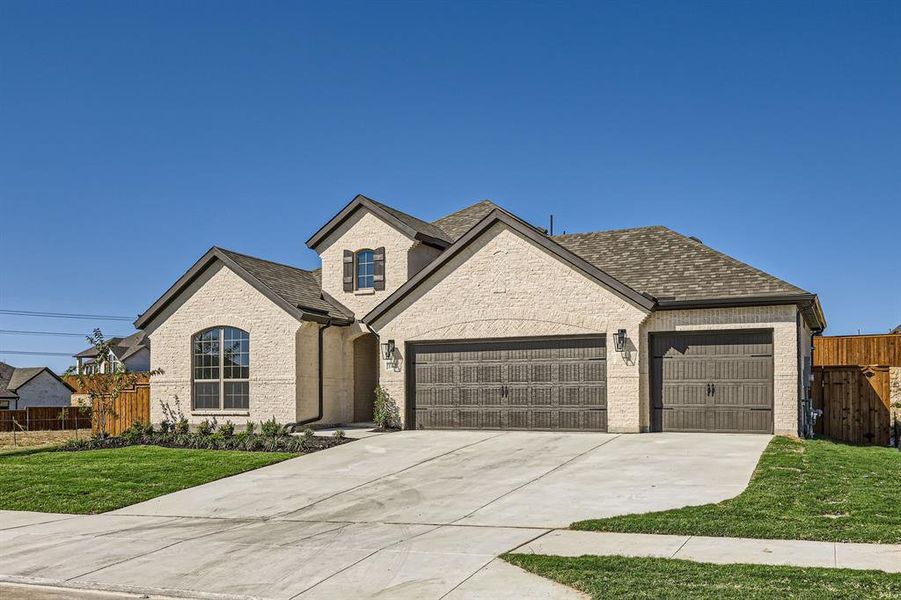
{"points": [[385, 412], [104, 387]]}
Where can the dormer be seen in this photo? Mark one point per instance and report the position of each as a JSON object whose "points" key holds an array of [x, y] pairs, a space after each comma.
{"points": [[368, 250]]}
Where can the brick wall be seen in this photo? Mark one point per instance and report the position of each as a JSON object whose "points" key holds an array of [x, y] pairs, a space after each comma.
{"points": [[220, 297]]}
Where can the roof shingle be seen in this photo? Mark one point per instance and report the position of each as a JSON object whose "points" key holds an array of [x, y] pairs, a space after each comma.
{"points": [[670, 266]]}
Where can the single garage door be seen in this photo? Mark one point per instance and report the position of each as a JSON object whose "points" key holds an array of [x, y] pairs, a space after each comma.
{"points": [[538, 384], [712, 381]]}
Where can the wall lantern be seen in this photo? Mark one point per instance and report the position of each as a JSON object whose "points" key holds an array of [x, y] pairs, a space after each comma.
{"points": [[619, 340], [388, 350]]}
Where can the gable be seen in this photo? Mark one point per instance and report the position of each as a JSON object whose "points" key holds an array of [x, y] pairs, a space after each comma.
{"points": [[295, 291], [504, 265], [412, 227]]}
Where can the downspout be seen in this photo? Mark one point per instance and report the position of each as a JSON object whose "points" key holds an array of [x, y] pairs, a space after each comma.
{"points": [[318, 417]]}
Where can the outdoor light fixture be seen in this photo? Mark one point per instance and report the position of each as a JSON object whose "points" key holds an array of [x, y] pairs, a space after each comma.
{"points": [[388, 350], [619, 340]]}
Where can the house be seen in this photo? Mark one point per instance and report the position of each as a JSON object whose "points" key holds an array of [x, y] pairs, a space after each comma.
{"points": [[24, 387], [132, 353], [481, 320]]}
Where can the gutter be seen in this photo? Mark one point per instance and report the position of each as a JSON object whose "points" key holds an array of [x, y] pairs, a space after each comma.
{"points": [[292, 426]]}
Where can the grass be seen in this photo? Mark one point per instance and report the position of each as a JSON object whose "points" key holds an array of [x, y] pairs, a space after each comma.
{"points": [[637, 578], [96, 481], [805, 490]]}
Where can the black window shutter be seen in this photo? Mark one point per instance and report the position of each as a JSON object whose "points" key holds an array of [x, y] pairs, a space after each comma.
{"points": [[348, 271], [378, 259]]}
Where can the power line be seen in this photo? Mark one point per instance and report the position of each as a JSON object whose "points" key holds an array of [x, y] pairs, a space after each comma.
{"points": [[34, 353], [52, 315], [57, 333]]}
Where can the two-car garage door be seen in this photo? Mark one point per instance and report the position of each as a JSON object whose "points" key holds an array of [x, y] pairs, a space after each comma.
{"points": [[540, 383], [701, 381]]}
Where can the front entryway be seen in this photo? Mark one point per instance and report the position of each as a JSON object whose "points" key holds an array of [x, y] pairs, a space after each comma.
{"points": [[366, 376], [534, 384], [712, 381]]}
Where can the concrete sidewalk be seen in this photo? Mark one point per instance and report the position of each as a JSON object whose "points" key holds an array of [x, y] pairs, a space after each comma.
{"points": [[882, 557]]}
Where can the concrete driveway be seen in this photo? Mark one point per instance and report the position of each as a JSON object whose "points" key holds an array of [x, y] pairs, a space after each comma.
{"points": [[411, 514]]}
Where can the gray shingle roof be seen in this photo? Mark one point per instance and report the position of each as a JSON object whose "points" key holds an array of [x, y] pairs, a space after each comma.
{"points": [[296, 286], [6, 374], [670, 266], [419, 225], [458, 223], [12, 378]]}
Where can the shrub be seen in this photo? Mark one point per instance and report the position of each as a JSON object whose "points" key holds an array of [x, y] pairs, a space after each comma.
{"points": [[308, 433], [339, 434], [166, 426], [247, 442], [182, 426], [271, 427], [206, 427], [249, 427], [227, 429], [385, 411]]}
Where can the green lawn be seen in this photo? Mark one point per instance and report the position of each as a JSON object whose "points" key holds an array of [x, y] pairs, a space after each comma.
{"points": [[805, 490], [96, 481], [653, 578]]}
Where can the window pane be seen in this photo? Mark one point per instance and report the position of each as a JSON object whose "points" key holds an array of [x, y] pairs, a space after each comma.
{"points": [[365, 269], [206, 395], [206, 354], [237, 395]]}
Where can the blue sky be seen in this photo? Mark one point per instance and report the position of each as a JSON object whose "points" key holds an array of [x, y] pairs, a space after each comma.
{"points": [[133, 136]]}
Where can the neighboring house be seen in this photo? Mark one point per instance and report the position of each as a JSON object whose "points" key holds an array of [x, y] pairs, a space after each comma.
{"points": [[896, 329], [132, 352], [23, 387], [481, 320]]}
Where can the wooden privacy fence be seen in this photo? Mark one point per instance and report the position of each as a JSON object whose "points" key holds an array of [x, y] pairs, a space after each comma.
{"points": [[855, 404], [45, 418], [133, 404]]}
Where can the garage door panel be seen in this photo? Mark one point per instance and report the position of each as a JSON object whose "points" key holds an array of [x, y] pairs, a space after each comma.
{"points": [[743, 421], [685, 394], [712, 381], [481, 374], [543, 383]]}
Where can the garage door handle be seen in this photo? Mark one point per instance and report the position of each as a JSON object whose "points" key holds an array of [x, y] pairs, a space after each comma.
{"points": [[708, 389]]}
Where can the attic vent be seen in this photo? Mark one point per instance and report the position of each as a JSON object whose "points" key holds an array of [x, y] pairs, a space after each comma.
{"points": [[697, 239]]}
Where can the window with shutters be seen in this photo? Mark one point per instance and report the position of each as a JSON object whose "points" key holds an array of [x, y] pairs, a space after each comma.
{"points": [[365, 270]]}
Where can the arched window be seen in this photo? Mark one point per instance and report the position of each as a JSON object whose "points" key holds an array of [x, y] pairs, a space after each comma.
{"points": [[365, 269], [221, 369]]}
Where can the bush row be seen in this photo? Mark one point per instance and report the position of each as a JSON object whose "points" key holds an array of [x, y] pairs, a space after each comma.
{"points": [[252, 442]]}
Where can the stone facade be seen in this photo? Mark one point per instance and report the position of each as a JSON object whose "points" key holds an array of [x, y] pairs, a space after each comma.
{"points": [[43, 390], [220, 297]]}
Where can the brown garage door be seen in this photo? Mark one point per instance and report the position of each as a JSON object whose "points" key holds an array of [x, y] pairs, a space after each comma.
{"points": [[541, 384], [712, 381]]}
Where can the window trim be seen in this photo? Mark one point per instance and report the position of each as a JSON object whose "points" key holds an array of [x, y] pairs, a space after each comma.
{"points": [[221, 380], [357, 286]]}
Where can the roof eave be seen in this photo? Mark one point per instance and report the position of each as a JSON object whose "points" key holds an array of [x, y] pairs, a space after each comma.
{"points": [[214, 253]]}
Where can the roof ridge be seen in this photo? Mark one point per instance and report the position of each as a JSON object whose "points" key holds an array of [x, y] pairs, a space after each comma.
{"points": [[265, 260], [559, 235]]}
